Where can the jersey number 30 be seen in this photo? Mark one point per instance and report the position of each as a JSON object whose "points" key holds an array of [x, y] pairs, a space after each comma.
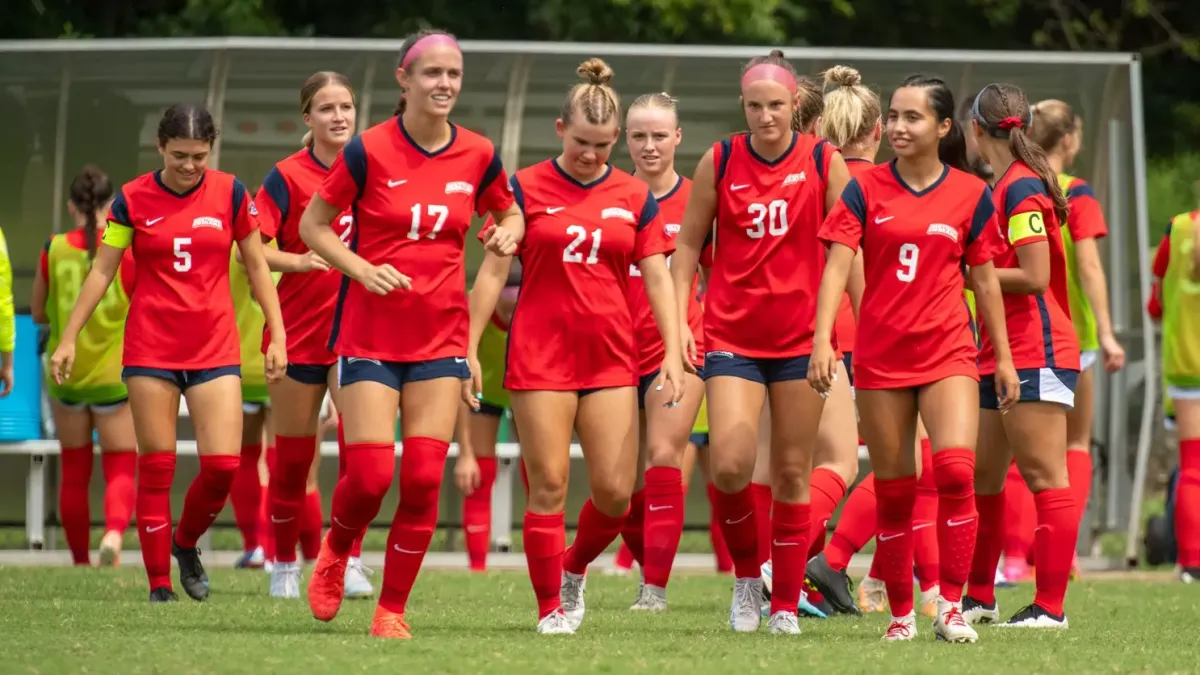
{"points": [[768, 218]]}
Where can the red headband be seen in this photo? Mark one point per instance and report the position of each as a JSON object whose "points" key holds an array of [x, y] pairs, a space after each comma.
{"points": [[425, 44], [772, 72], [1011, 123]]}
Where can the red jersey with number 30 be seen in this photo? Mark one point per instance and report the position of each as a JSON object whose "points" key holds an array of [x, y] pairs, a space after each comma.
{"points": [[1040, 332], [914, 327], [767, 264], [647, 336], [412, 209], [844, 327], [572, 328], [181, 316], [306, 299]]}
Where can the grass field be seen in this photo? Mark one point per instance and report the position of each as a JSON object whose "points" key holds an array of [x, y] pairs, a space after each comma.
{"points": [[64, 620]]}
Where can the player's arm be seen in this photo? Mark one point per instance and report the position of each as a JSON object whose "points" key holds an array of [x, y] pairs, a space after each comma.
{"points": [[983, 243], [697, 222], [652, 245], [485, 293], [856, 283], [842, 235], [254, 256], [41, 288], [1027, 235], [990, 307], [1158, 270]]}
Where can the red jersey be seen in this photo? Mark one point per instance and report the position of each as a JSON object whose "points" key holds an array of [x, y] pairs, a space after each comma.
{"points": [[1085, 220], [181, 316], [843, 327], [913, 321], [572, 328], [647, 337], [78, 239], [306, 300], [767, 265], [412, 209], [1040, 332]]}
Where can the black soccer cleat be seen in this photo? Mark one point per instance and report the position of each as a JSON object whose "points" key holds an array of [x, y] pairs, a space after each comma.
{"points": [[163, 594], [834, 586], [1034, 616], [192, 576]]}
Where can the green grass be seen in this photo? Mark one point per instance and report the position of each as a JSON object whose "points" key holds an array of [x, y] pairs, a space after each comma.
{"points": [[64, 620]]}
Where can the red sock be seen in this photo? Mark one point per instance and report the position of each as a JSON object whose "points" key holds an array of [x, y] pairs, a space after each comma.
{"points": [[206, 497], [312, 522], [246, 495], [289, 478], [1054, 543], [156, 471], [827, 491], [720, 550], [593, 534], [545, 538], [1018, 532], [1187, 503], [958, 521], [623, 559], [925, 515], [790, 528], [264, 511], [356, 545], [664, 523], [740, 527], [1079, 469], [894, 545], [989, 543], [633, 534], [762, 520], [421, 467], [73, 505], [120, 470], [477, 515], [359, 493], [855, 526]]}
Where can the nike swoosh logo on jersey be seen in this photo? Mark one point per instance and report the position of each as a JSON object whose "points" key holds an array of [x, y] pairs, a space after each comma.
{"points": [[882, 220], [151, 222], [555, 209], [394, 183], [734, 188]]}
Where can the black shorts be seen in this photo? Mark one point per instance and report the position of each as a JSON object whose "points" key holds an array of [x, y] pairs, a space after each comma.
{"points": [[182, 378], [396, 374], [762, 371]]}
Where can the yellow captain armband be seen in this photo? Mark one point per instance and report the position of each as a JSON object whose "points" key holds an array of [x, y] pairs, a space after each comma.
{"points": [[1023, 226], [118, 235]]}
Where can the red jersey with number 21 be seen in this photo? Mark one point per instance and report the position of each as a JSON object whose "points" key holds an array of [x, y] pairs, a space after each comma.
{"points": [[913, 325]]}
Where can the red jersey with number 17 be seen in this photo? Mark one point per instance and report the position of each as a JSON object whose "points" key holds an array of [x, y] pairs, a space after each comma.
{"points": [[767, 264], [306, 299], [572, 328], [844, 327], [412, 209], [914, 327]]}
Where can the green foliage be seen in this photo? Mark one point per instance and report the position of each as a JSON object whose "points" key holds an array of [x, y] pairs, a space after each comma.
{"points": [[1173, 187]]}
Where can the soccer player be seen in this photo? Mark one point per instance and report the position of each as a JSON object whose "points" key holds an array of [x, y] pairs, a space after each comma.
{"points": [[308, 291], [400, 329], [1033, 280], [768, 191], [180, 221], [94, 399], [915, 349]]}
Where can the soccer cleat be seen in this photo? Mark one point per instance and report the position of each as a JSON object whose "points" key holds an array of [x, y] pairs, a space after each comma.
{"points": [[1002, 581], [745, 612], [977, 614], [110, 549], [902, 629], [950, 626], [390, 625], [783, 623], [285, 580], [251, 560], [872, 595], [571, 597], [1033, 616], [929, 601], [327, 584], [835, 586], [766, 570], [650, 599], [192, 576], [1017, 571], [357, 585], [555, 623], [1190, 575], [163, 594], [813, 610]]}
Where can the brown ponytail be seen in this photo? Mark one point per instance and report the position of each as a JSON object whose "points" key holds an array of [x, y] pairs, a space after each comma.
{"points": [[90, 190]]}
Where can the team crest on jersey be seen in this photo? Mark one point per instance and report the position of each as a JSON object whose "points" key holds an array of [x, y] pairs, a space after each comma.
{"points": [[615, 212], [459, 186], [205, 221], [944, 230], [672, 229], [793, 178], [253, 209]]}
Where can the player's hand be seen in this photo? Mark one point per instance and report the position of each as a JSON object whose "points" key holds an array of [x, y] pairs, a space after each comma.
{"points": [[313, 263], [1008, 385], [7, 379], [275, 359], [472, 387], [1114, 353], [62, 361], [822, 368], [466, 474], [671, 375], [689, 344], [500, 241], [383, 279]]}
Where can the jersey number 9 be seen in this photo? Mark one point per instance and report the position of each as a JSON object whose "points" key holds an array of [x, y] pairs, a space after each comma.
{"points": [[768, 218], [908, 262]]}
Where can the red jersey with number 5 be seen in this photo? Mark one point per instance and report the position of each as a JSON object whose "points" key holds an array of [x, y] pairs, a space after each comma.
{"points": [[1040, 332], [844, 327], [914, 327], [412, 209], [767, 264], [572, 328], [647, 337], [306, 299], [181, 316]]}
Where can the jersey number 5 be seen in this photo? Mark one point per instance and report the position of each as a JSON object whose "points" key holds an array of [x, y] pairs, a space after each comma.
{"points": [[437, 211], [571, 255], [183, 259], [772, 218], [908, 262]]}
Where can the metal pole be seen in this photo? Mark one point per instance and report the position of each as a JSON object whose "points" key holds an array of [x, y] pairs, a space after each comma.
{"points": [[670, 68], [60, 143], [216, 102], [1117, 395], [368, 94], [514, 112]]}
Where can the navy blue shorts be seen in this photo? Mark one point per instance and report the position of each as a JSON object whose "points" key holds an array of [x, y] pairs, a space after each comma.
{"points": [[847, 361], [305, 373], [1049, 385], [762, 371], [395, 374], [646, 381], [181, 378], [489, 409], [698, 440]]}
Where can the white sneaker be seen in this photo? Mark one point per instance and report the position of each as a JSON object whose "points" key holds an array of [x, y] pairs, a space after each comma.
{"points": [[783, 623], [950, 625], [555, 623], [902, 628], [571, 597], [357, 583], [650, 599], [745, 613], [285, 580]]}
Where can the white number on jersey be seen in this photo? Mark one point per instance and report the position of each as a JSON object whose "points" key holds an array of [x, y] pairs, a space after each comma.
{"points": [[635, 271], [435, 211], [183, 259], [347, 222], [768, 218], [908, 260], [571, 255]]}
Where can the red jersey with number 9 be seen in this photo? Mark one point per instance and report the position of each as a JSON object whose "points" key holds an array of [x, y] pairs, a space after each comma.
{"points": [[767, 264], [306, 299], [914, 327], [647, 336], [844, 328], [181, 315], [1040, 332], [412, 209], [572, 328]]}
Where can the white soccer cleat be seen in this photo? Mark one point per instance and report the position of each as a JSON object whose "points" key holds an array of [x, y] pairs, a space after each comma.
{"points": [[571, 597], [650, 599], [1034, 616], [285, 580], [357, 583], [872, 595], [745, 613], [978, 614], [902, 629], [950, 625], [783, 623], [555, 623]]}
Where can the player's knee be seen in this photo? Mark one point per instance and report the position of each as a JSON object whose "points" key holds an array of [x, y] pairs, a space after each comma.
{"points": [[662, 452], [789, 483], [219, 474], [611, 497], [954, 472]]}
